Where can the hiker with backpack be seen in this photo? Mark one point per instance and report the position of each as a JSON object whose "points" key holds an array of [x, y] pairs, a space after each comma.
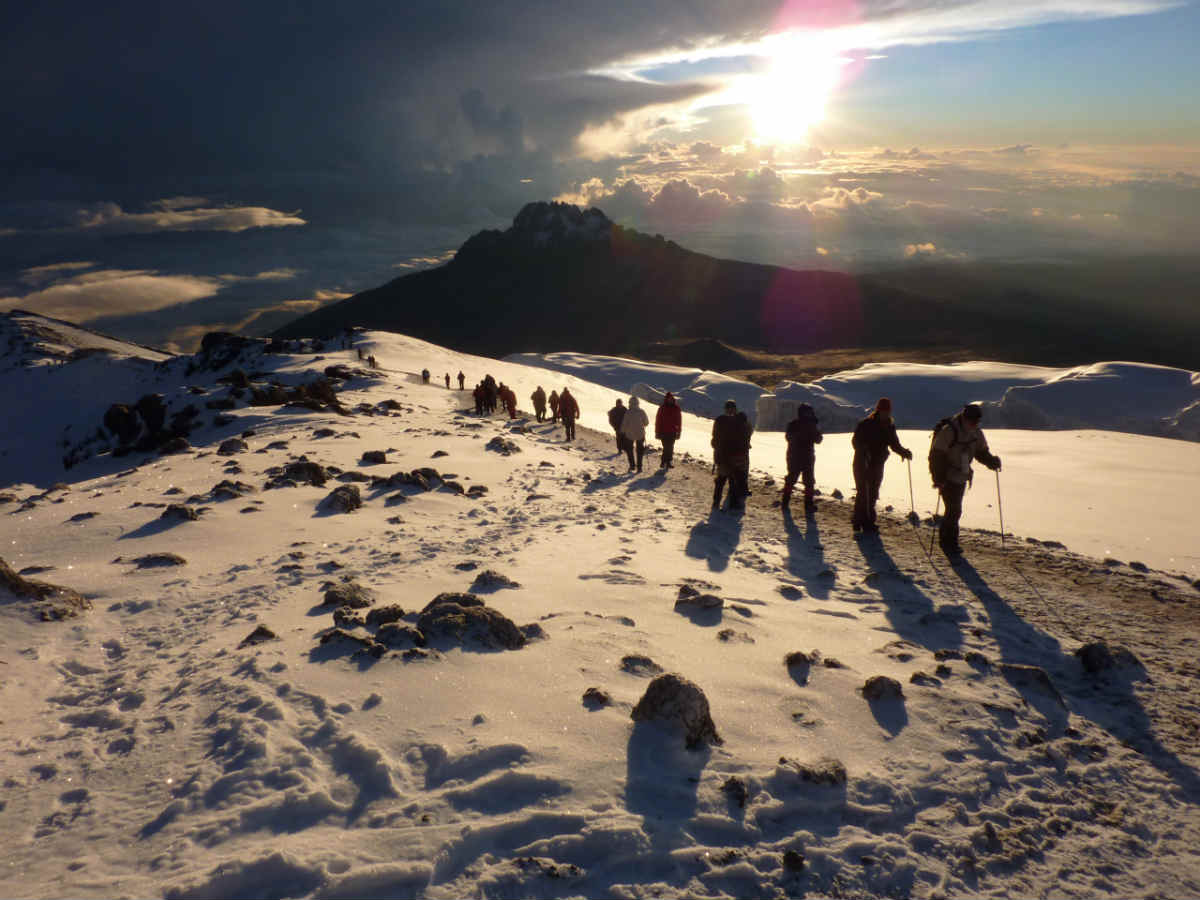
{"points": [[539, 403], [802, 437], [873, 437], [568, 410], [957, 441], [668, 425], [554, 406], [616, 416], [633, 432], [731, 456]]}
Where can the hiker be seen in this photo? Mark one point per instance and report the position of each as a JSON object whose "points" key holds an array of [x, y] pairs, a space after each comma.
{"points": [[633, 430], [731, 456], [508, 398], [462, 380], [615, 416], [447, 381], [802, 437], [360, 353], [872, 438], [568, 409], [489, 394], [668, 424], [371, 361], [539, 403], [554, 407], [956, 442], [425, 376], [479, 396]]}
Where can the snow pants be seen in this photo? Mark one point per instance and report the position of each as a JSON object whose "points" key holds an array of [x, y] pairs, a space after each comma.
{"points": [[868, 476], [668, 452], [952, 499]]}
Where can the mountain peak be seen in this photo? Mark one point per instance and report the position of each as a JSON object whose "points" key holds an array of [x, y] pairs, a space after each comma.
{"points": [[544, 223]]}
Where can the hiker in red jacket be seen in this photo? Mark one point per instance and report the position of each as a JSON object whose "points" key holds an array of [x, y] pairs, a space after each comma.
{"points": [[668, 425]]}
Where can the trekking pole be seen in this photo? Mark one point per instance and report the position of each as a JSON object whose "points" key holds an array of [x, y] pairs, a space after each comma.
{"points": [[912, 504], [1000, 507]]}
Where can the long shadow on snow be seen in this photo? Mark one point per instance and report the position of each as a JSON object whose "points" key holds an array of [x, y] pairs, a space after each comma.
{"points": [[661, 780], [647, 482], [909, 609], [153, 527], [1117, 710], [714, 539], [806, 555]]}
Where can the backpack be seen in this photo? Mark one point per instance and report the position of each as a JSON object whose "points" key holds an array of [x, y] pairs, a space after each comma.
{"points": [[937, 469]]}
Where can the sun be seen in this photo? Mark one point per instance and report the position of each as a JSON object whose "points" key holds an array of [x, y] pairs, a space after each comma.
{"points": [[789, 99]]}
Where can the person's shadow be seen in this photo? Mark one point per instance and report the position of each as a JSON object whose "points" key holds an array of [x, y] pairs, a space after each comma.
{"points": [[661, 780], [1107, 699], [714, 539], [806, 555], [910, 611]]}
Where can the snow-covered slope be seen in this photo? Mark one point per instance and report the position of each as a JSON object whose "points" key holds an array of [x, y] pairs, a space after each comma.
{"points": [[148, 748]]}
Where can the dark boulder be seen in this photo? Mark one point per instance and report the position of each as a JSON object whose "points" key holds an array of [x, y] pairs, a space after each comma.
{"points": [[344, 499], [464, 619], [50, 602], [348, 593], [374, 458], [231, 446], [678, 702], [153, 410], [123, 422], [382, 615]]}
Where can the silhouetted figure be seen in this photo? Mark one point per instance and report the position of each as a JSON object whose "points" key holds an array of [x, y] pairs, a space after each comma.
{"points": [[956, 442], [447, 381], [802, 436], [554, 407], [615, 416], [508, 398], [425, 376], [568, 409], [872, 438], [668, 425], [633, 430], [539, 403], [489, 394], [371, 361], [731, 454], [480, 398], [462, 380]]}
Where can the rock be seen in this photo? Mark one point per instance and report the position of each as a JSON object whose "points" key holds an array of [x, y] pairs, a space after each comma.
{"points": [[159, 560], [676, 701], [793, 861], [257, 636], [467, 566], [174, 445], [346, 617], [1031, 677], [341, 372], [398, 636], [534, 632], [177, 512], [50, 601], [1098, 657], [942, 671], [923, 679], [231, 446], [880, 687], [382, 615], [502, 445], [230, 490], [693, 600], [348, 593], [476, 490], [123, 422], [790, 591], [640, 665], [464, 619], [728, 635], [301, 471], [594, 698], [153, 410], [438, 454], [837, 494], [977, 659], [1139, 566], [489, 579], [947, 654], [830, 663], [374, 458], [825, 771], [353, 642], [359, 477], [344, 499], [735, 788]]}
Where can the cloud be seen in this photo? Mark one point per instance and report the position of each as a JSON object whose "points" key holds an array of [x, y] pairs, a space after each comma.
{"points": [[186, 338], [926, 249], [269, 275], [839, 198], [112, 292], [110, 218], [1016, 150], [41, 274]]}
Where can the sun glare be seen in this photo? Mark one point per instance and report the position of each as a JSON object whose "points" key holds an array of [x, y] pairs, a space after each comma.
{"points": [[789, 99]]}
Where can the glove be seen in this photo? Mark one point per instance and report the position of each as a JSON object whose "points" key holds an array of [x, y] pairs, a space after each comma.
{"points": [[995, 466], [906, 454]]}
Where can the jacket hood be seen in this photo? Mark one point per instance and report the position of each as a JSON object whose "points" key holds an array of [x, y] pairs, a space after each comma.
{"points": [[633, 402], [669, 396]]}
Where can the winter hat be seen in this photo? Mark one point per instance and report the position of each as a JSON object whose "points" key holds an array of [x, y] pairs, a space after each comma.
{"points": [[884, 406], [669, 396], [633, 403], [729, 404], [973, 411]]}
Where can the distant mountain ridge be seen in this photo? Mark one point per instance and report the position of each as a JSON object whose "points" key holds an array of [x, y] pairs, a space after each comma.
{"points": [[564, 277]]}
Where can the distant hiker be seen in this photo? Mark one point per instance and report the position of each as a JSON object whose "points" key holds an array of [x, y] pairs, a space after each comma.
{"points": [[554, 406], [802, 436], [360, 354], [447, 381], [539, 403], [480, 397], [633, 430], [489, 394], [462, 380], [731, 454], [508, 398], [956, 442], [425, 376], [872, 438], [615, 416], [371, 361], [568, 409], [668, 425]]}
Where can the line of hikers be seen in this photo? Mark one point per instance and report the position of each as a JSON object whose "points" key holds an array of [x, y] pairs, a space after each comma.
{"points": [[629, 424]]}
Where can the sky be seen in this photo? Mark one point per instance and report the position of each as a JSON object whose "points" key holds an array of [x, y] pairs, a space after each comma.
{"points": [[170, 169]]}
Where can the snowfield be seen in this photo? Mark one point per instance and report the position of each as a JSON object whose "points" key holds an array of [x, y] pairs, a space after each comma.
{"points": [[161, 744]]}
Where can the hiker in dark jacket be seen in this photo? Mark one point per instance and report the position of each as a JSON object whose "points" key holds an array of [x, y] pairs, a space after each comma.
{"points": [[668, 425], [554, 407], [956, 442], [489, 394], [616, 416], [480, 398], [568, 409], [539, 403], [462, 380], [872, 438], [731, 454], [802, 436]]}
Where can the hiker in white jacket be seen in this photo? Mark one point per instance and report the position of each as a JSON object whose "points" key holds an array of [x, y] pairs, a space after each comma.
{"points": [[633, 430]]}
